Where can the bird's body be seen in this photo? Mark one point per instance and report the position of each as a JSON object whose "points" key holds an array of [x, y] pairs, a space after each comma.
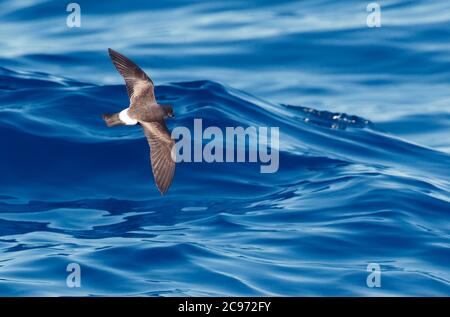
{"points": [[145, 111]]}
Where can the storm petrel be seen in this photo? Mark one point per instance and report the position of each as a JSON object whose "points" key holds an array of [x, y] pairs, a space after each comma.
{"points": [[145, 111]]}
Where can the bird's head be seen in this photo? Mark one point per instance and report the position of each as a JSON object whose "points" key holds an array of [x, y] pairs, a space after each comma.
{"points": [[168, 111]]}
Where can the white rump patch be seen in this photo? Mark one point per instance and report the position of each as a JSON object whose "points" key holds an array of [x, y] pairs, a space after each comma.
{"points": [[124, 117]]}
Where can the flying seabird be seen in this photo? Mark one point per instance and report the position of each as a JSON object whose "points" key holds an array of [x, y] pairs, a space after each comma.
{"points": [[145, 111]]}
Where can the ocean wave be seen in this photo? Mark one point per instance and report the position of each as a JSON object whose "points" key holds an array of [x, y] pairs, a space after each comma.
{"points": [[347, 193], [363, 115]]}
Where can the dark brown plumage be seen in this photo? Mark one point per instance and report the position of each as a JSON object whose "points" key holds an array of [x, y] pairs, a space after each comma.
{"points": [[144, 110]]}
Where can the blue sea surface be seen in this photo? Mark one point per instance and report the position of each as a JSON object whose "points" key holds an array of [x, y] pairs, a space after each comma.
{"points": [[364, 166]]}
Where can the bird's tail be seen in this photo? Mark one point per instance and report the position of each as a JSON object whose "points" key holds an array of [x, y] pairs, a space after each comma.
{"points": [[112, 120]]}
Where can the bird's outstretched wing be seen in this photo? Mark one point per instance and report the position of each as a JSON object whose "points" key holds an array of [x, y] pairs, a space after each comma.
{"points": [[161, 148], [138, 83]]}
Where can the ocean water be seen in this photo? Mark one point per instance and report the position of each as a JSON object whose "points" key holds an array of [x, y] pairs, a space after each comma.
{"points": [[364, 119]]}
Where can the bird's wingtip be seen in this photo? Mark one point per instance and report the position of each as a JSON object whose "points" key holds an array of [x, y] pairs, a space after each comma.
{"points": [[111, 52], [162, 191]]}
